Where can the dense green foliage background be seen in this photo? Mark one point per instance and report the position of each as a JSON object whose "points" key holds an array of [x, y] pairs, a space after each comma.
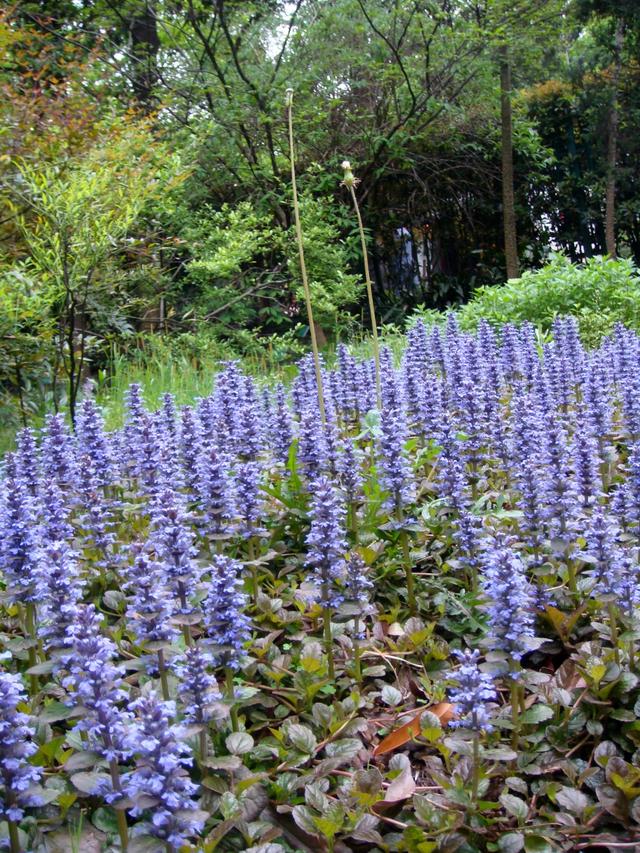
{"points": [[144, 172]]}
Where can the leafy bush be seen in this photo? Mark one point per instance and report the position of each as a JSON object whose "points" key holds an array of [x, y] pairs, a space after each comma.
{"points": [[26, 346], [245, 270], [599, 294]]}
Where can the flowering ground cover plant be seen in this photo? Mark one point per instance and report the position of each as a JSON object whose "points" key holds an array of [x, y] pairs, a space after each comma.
{"points": [[413, 627]]}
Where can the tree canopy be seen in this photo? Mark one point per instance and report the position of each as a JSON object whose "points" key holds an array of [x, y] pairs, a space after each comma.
{"points": [[179, 107]]}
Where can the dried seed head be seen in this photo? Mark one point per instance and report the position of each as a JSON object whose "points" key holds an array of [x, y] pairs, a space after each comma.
{"points": [[349, 179]]}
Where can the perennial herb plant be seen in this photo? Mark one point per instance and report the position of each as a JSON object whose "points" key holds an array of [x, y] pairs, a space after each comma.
{"points": [[316, 596]]}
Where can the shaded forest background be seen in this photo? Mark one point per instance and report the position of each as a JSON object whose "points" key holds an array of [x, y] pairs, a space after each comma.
{"points": [[144, 167]]}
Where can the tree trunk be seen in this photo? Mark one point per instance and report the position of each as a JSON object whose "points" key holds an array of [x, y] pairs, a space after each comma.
{"points": [[508, 199], [145, 44], [612, 146]]}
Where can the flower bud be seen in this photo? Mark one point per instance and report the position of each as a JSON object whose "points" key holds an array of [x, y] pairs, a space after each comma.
{"points": [[349, 180]]}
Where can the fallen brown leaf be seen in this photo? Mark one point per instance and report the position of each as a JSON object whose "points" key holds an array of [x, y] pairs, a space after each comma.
{"points": [[402, 786], [411, 729]]}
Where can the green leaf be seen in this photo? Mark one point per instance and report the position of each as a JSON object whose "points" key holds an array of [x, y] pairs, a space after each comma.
{"points": [[302, 738], [105, 820], [391, 695], [303, 817], [230, 806], [224, 762], [87, 782], [65, 800], [500, 753], [515, 806], [512, 842], [537, 714], [365, 830], [239, 743], [603, 752], [56, 711], [41, 668], [114, 599], [346, 748], [81, 760], [572, 800], [537, 844]]}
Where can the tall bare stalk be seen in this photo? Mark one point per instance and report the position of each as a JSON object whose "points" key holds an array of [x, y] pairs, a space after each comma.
{"points": [[351, 182], [303, 266]]}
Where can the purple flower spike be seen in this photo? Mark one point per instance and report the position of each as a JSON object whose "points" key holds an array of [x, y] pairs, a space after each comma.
{"points": [[511, 598], [352, 403], [54, 513], [226, 625], [325, 542], [214, 490], [248, 497], [160, 781], [357, 588], [251, 424], [191, 445], [396, 476], [475, 689], [151, 605], [281, 426], [172, 539], [96, 523], [198, 690], [95, 685], [350, 470], [93, 441], [312, 448], [27, 458], [59, 461], [17, 776], [19, 538], [59, 593]]}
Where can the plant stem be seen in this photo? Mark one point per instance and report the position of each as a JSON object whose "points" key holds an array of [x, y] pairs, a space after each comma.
{"points": [[368, 282], [408, 570], [357, 668], [121, 817], [203, 746], [475, 779], [515, 715], [571, 569], [162, 669], [14, 838], [613, 628], [352, 521], [231, 699], [123, 830], [303, 266], [328, 641], [30, 620], [254, 571]]}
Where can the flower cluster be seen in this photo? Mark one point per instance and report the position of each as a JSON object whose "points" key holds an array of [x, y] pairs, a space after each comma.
{"points": [[227, 627], [198, 689], [94, 686], [475, 689], [160, 783], [510, 598], [501, 479], [326, 544], [17, 776]]}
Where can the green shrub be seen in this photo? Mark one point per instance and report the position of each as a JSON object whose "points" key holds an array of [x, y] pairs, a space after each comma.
{"points": [[599, 293], [244, 272]]}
